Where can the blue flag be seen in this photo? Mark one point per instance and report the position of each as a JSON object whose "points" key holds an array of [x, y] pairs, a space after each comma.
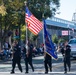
{"points": [[50, 48]]}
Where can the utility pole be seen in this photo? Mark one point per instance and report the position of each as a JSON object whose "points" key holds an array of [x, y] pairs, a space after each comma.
{"points": [[68, 33], [74, 18]]}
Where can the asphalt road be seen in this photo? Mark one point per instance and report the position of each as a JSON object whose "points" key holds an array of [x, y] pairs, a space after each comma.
{"points": [[57, 65]]}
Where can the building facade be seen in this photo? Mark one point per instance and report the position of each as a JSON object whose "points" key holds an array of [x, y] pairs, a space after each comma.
{"points": [[60, 27]]}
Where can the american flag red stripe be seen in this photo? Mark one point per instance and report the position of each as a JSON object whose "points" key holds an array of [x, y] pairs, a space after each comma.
{"points": [[34, 25], [34, 21]]}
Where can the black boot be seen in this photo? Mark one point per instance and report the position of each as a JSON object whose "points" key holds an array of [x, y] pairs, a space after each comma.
{"points": [[12, 72], [26, 72], [46, 72], [50, 70], [33, 69], [65, 72], [21, 70], [69, 69]]}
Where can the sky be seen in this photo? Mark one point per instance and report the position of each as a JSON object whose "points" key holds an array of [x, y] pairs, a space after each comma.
{"points": [[66, 9]]}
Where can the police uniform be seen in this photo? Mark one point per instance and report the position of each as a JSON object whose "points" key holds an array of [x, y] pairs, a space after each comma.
{"points": [[28, 58], [47, 62], [67, 62], [16, 57]]}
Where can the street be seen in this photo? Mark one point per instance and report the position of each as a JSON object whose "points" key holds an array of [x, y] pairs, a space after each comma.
{"points": [[57, 65]]}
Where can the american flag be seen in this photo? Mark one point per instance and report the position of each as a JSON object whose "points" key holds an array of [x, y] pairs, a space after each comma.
{"points": [[34, 25]]}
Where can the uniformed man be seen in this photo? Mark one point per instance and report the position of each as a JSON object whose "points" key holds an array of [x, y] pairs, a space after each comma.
{"points": [[16, 57], [66, 54], [28, 57], [47, 62], [67, 58]]}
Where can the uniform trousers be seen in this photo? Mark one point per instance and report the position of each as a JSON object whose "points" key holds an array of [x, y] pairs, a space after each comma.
{"points": [[16, 61], [67, 63], [28, 61], [46, 64]]}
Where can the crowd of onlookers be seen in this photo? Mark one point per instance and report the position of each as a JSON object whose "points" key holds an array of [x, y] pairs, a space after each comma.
{"points": [[6, 52]]}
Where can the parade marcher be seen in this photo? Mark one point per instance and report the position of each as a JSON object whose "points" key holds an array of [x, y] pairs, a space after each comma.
{"points": [[24, 50], [28, 57], [62, 49], [66, 55], [16, 57], [47, 62]]}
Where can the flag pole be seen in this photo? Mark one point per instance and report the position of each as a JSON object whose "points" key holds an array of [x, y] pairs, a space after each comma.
{"points": [[43, 36], [26, 29], [43, 29]]}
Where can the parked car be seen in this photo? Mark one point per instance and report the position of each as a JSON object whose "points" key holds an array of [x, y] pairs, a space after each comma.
{"points": [[72, 43]]}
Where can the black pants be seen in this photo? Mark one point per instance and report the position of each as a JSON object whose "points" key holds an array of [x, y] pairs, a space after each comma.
{"points": [[67, 63], [28, 61], [46, 64], [16, 61]]}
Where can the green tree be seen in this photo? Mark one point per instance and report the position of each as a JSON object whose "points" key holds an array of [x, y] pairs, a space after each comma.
{"points": [[61, 40], [14, 12], [47, 8], [13, 17], [2, 10], [55, 38]]}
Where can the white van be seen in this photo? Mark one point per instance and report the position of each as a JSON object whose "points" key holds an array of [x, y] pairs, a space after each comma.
{"points": [[72, 43]]}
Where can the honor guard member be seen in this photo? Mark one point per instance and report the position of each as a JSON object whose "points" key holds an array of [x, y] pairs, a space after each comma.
{"points": [[16, 57], [28, 57], [47, 62], [66, 55]]}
